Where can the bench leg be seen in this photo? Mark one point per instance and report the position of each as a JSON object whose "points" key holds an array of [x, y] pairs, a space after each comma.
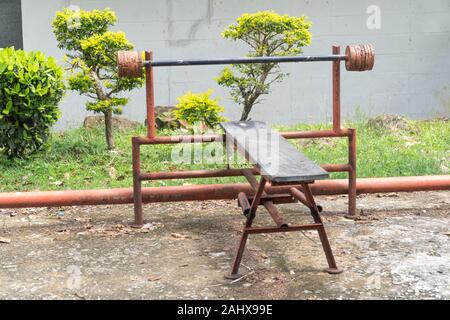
{"points": [[237, 260], [243, 241], [332, 266]]}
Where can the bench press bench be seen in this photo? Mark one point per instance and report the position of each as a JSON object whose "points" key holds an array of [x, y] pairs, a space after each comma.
{"points": [[279, 163], [282, 164]]}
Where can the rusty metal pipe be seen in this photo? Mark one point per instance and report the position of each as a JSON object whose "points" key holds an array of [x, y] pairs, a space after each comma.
{"points": [[336, 76], [217, 173], [137, 185], [297, 194], [213, 192], [313, 226], [314, 134], [276, 216], [243, 203], [352, 173], [150, 98], [221, 138], [191, 174]]}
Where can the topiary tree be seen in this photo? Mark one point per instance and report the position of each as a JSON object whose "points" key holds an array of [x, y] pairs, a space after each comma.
{"points": [[92, 51], [268, 34], [194, 108], [31, 86]]}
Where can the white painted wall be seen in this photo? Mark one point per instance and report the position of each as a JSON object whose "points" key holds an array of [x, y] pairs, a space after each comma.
{"points": [[411, 75]]}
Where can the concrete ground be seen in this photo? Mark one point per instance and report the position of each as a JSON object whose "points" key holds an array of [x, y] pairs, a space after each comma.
{"points": [[399, 249]]}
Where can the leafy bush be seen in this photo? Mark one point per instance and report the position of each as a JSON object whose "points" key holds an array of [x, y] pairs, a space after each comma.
{"points": [[92, 53], [31, 86], [199, 108], [267, 34]]}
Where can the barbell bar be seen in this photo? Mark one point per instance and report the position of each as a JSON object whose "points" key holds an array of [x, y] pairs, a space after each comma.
{"points": [[357, 58]]}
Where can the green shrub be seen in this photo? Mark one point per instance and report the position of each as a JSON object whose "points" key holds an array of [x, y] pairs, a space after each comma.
{"points": [[199, 108], [31, 86]]}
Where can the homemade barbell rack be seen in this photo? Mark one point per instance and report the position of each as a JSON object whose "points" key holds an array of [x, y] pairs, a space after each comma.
{"points": [[357, 58]]}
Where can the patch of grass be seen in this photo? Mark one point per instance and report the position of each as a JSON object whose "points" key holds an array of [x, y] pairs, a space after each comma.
{"points": [[78, 159]]}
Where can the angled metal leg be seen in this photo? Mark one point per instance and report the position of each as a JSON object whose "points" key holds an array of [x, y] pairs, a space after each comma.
{"points": [[332, 266], [251, 216]]}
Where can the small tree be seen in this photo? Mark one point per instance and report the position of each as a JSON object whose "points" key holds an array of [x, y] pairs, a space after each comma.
{"points": [[91, 56], [268, 34]]}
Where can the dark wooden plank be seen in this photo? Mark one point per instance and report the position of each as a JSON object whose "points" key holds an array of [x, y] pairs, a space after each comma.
{"points": [[277, 159]]}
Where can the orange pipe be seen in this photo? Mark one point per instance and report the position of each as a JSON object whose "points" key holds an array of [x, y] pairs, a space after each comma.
{"points": [[212, 192]]}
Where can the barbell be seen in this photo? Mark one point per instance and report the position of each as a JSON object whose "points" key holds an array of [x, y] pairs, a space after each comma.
{"points": [[359, 57]]}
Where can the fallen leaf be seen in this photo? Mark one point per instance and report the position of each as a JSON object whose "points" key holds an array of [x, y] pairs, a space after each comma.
{"points": [[179, 236], [153, 278], [83, 220], [112, 172], [5, 240]]}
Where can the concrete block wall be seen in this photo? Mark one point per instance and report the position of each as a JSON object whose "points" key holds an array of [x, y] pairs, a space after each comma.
{"points": [[10, 24], [411, 75]]}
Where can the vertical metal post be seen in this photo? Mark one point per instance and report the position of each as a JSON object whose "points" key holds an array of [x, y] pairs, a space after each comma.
{"points": [[149, 84], [137, 187], [336, 91], [352, 174]]}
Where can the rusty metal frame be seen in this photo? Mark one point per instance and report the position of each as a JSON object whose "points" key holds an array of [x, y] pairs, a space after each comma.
{"points": [[336, 132]]}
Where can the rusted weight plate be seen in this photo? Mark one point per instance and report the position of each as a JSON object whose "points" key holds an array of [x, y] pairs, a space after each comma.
{"points": [[129, 64], [359, 58], [349, 60], [372, 58], [364, 57], [368, 52]]}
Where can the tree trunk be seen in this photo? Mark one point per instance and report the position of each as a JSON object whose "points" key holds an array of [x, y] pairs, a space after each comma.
{"points": [[248, 105], [108, 114], [245, 112], [108, 130]]}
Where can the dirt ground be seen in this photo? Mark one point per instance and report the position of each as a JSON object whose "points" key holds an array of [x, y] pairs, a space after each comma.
{"points": [[399, 249]]}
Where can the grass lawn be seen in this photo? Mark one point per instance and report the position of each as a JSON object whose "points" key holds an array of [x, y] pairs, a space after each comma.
{"points": [[78, 159]]}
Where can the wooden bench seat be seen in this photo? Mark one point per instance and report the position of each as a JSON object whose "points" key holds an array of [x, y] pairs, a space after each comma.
{"points": [[276, 158]]}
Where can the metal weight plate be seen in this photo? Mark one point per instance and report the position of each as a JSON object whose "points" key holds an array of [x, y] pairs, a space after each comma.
{"points": [[372, 58], [129, 64], [365, 57]]}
